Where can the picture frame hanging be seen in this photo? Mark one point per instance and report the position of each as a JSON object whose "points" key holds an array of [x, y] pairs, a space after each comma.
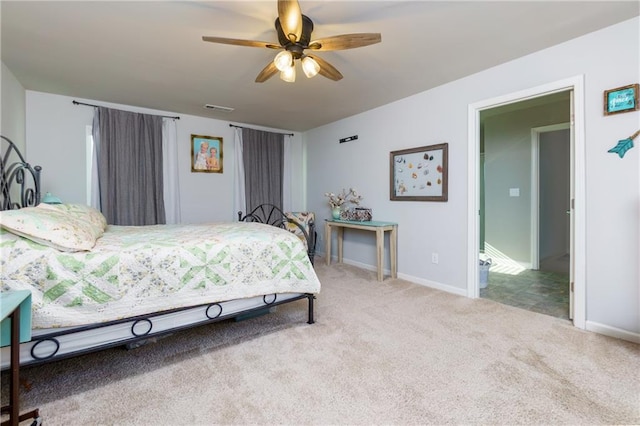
{"points": [[206, 154], [621, 99], [420, 174]]}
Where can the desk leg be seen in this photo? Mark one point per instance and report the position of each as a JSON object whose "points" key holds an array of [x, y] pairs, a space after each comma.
{"points": [[393, 247], [340, 240], [14, 379], [327, 242], [380, 252], [14, 387]]}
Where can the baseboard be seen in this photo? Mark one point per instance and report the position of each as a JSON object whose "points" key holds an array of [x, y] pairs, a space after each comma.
{"points": [[406, 277], [434, 284], [618, 333], [506, 260], [554, 256], [361, 265]]}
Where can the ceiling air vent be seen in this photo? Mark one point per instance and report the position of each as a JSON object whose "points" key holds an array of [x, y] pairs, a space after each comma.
{"points": [[218, 108]]}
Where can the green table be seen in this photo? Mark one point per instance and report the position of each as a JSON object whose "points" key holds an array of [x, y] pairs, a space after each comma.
{"points": [[374, 226], [15, 313]]}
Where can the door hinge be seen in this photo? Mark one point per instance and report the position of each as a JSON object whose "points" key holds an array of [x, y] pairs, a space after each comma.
{"points": [[573, 204], [571, 286]]}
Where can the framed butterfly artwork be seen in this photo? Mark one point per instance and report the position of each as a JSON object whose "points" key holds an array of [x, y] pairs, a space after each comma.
{"points": [[419, 174]]}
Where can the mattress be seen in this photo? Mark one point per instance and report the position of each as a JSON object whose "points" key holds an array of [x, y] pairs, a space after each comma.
{"points": [[135, 271]]}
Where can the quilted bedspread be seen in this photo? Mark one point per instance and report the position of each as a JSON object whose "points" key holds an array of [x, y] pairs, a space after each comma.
{"points": [[139, 270]]}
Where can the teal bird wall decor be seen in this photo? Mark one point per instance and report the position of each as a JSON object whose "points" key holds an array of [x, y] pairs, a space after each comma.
{"points": [[624, 145]]}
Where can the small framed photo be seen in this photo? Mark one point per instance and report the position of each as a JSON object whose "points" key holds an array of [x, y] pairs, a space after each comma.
{"points": [[206, 154], [420, 174], [621, 99]]}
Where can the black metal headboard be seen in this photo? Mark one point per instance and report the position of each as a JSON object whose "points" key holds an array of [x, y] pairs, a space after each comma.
{"points": [[19, 182]]}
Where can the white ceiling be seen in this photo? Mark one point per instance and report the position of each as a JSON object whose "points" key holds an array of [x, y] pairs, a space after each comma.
{"points": [[151, 54]]}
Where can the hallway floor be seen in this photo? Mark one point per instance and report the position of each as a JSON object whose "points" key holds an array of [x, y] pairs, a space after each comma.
{"points": [[545, 292]]}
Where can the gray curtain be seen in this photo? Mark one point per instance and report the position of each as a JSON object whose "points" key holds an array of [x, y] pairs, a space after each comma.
{"points": [[129, 150], [263, 157]]}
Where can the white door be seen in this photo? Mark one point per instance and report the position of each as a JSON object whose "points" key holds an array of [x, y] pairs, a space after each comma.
{"points": [[571, 212], [551, 230]]}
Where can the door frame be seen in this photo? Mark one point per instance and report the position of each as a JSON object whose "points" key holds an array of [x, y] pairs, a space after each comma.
{"points": [[576, 84], [535, 187]]}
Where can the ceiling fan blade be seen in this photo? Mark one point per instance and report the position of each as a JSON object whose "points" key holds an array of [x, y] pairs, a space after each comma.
{"points": [[269, 71], [326, 69], [345, 41], [290, 16], [238, 42]]}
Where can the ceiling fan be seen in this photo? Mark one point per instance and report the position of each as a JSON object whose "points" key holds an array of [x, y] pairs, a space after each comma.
{"points": [[294, 37]]}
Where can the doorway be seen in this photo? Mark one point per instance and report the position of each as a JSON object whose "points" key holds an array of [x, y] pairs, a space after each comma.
{"points": [[513, 195]]}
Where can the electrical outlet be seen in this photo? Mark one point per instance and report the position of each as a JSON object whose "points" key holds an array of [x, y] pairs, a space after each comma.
{"points": [[434, 258]]}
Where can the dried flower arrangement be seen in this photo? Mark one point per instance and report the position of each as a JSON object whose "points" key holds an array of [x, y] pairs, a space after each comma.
{"points": [[337, 200]]}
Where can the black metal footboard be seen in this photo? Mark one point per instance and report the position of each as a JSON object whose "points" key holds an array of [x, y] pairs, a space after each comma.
{"points": [[67, 343]]}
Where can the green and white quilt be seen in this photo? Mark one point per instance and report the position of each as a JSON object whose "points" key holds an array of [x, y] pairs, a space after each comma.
{"points": [[139, 270]]}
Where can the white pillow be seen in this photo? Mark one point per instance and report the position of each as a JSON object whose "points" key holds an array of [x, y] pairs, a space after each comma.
{"points": [[92, 216], [49, 227]]}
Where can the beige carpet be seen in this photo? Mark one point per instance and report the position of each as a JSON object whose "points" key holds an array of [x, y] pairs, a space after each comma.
{"points": [[380, 353]]}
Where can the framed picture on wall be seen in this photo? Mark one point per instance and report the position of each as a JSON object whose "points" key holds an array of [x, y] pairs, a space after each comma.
{"points": [[206, 154], [621, 99], [419, 174]]}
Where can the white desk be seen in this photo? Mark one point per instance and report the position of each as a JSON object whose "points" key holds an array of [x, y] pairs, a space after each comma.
{"points": [[380, 228]]}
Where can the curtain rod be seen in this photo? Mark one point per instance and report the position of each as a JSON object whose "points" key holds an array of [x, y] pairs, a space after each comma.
{"points": [[240, 127], [96, 106]]}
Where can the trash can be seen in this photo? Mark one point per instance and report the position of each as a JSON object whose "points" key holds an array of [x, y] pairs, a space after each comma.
{"points": [[484, 272]]}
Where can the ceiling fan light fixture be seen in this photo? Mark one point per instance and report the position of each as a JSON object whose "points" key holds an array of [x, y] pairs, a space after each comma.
{"points": [[288, 74], [283, 60], [294, 31], [310, 67]]}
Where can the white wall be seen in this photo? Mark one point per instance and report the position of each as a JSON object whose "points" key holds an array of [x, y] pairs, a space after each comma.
{"points": [[607, 59], [56, 139], [12, 123]]}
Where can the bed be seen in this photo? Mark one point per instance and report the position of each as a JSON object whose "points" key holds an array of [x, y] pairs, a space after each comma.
{"points": [[96, 286]]}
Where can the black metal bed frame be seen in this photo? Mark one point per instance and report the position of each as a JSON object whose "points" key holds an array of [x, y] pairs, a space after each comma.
{"points": [[27, 179], [17, 174], [272, 215], [142, 336]]}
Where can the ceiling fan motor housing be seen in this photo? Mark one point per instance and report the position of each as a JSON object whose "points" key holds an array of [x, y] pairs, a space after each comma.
{"points": [[297, 47]]}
